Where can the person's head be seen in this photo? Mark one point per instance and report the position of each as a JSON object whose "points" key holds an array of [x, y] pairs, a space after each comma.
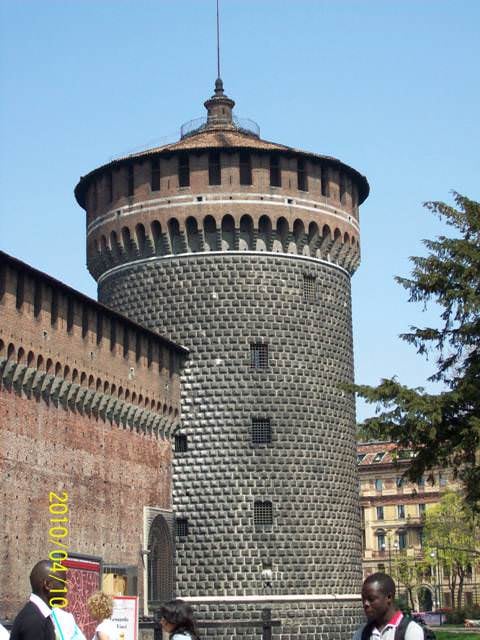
{"points": [[378, 598], [100, 605], [43, 580], [177, 615]]}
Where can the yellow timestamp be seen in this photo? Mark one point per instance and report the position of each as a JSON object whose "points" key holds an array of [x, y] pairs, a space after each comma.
{"points": [[58, 537]]}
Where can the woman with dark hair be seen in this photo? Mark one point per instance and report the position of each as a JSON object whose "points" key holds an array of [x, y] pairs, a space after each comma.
{"points": [[176, 618]]}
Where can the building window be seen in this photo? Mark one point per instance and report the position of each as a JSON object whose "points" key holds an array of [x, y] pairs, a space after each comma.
{"points": [[324, 181], [442, 480], [245, 168], [138, 347], [181, 526], [70, 314], [155, 174], [160, 562], [99, 327], [214, 170], [342, 187], [301, 175], [54, 308], [84, 322], [381, 567], [109, 186], [309, 288], [378, 484], [421, 509], [94, 196], [130, 180], [262, 513], [37, 298], [421, 538], [275, 173], [421, 482], [113, 334], [20, 292], [149, 353], [181, 443], [402, 540], [261, 431], [400, 511], [183, 170], [259, 355], [360, 457], [399, 481], [378, 456], [381, 541], [380, 513]]}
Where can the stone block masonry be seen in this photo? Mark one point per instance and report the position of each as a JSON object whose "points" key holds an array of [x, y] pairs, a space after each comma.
{"points": [[218, 306]]}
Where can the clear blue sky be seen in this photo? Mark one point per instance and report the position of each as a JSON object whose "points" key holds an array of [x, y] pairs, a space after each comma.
{"points": [[390, 87]]}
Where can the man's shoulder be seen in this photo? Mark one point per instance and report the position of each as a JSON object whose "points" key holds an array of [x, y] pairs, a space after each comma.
{"points": [[414, 631], [29, 610]]}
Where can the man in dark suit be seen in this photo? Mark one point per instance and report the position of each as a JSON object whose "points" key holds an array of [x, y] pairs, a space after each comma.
{"points": [[33, 622]]}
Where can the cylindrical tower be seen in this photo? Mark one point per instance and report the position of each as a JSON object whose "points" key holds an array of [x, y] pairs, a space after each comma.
{"points": [[242, 249]]}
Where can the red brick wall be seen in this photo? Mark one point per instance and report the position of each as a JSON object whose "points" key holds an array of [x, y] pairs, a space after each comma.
{"points": [[110, 474]]}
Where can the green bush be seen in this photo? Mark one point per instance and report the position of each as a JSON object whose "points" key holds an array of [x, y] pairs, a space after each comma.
{"points": [[457, 616]]}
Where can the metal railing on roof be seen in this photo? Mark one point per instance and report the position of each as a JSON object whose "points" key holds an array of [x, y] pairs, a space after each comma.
{"points": [[243, 125]]}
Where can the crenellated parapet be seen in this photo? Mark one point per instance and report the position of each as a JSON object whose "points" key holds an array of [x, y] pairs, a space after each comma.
{"points": [[201, 225], [221, 188], [62, 347]]}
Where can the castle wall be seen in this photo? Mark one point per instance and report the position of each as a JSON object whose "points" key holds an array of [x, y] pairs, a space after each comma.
{"points": [[88, 401]]}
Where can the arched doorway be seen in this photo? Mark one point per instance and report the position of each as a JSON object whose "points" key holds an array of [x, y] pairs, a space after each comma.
{"points": [[160, 563], [425, 598]]}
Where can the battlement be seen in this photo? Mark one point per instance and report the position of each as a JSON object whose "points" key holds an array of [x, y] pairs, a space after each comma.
{"points": [[57, 343]]}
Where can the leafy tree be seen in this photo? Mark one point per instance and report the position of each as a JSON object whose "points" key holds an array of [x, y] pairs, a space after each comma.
{"points": [[408, 572], [450, 538], [443, 429]]}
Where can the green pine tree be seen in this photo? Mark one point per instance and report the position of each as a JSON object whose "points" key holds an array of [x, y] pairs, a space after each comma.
{"points": [[443, 429]]}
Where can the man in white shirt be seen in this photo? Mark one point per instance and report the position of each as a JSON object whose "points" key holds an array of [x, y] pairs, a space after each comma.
{"points": [[37, 621], [383, 617]]}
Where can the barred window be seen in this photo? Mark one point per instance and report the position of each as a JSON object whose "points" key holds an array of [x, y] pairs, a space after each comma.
{"points": [[261, 431], [181, 526], [84, 321], [155, 177], [183, 170], [54, 308], [109, 186], [262, 513], [130, 180], [302, 175], [259, 355], [99, 327], [245, 168], [181, 443], [214, 170], [324, 181], [275, 173], [94, 196], [309, 288], [37, 298], [343, 187], [20, 292], [70, 314]]}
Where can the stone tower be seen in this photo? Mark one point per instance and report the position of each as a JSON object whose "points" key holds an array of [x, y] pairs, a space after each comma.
{"points": [[242, 250]]}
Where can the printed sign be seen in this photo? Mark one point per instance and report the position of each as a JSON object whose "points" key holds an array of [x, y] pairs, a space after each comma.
{"points": [[125, 616], [83, 578]]}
